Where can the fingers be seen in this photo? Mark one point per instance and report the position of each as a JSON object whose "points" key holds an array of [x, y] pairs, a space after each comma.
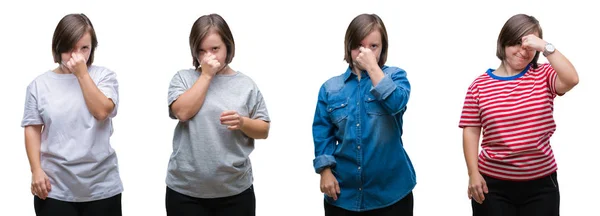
{"points": [[333, 193], [208, 57], [232, 119], [40, 189], [234, 127], [331, 189], [480, 197], [48, 185], [228, 112], [229, 118], [476, 193], [469, 193], [78, 58], [485, 188]]}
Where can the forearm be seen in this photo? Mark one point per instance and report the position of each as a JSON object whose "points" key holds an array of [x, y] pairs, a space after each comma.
{"points": [[32, 146], [392, 92], [98, 104], [471, 148], [375, 74], [567, 76], [255, 128], [190, 102]]}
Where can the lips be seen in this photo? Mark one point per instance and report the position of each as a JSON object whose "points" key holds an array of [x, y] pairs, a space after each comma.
{"points": [[521, 57]]}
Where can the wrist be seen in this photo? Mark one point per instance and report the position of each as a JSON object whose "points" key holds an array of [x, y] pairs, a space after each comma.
{"points": [[548, 49], [243, 120], [372, 68], [206, 76], [35, 169], [326, 170], [81, 74], [474, 172]]}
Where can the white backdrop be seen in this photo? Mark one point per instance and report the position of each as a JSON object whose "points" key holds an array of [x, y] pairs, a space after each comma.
{"points": [[290, 49]]}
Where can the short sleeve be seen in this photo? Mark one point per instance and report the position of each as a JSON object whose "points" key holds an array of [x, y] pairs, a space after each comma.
{"points": [[258, 107], [176, 88], [470, 116], [551, 76], [109, 86], [31, 115]]}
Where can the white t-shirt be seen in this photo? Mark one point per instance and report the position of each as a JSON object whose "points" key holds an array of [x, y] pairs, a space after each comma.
{"points": [[75, 151]]}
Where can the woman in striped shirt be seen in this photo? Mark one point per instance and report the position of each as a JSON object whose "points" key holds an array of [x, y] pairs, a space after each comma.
{"points": [[515, 173]]}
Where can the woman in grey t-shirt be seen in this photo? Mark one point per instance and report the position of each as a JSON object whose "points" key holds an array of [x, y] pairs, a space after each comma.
{"points": [[220, 111], [67, 121]]}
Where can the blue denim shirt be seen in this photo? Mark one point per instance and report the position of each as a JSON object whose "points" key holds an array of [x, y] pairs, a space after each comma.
{"points": [[357, 131]]}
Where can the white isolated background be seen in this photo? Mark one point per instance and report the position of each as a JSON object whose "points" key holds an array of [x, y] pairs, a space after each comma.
{"points": [[290, 48]]}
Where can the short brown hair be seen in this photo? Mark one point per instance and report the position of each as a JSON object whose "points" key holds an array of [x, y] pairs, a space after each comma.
{"points": [[514, 29], [68, 32], [202, 27], [360, 27]]}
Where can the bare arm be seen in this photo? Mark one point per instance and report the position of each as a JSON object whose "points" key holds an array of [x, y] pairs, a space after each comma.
{"points": [[190, 102], [255, 128], [566, 75], [33, 134], [376, 74], [40, 184], [471, 148], [98, 104]]}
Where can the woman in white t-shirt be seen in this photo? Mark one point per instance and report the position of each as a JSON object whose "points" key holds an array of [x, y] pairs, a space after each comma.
{"points": [[67, 121]]}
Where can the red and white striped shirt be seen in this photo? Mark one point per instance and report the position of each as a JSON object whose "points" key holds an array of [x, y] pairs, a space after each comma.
{"points": [[515, 114]]}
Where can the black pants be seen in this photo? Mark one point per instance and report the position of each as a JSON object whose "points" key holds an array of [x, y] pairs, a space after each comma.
{"points": [[530, 198], [243, 204], [51, 207], [404, 207]]}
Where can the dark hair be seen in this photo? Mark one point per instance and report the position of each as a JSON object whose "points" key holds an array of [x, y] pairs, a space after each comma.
{"points": [[202, 27], [68, 32], [360, 27], [514, 30]]}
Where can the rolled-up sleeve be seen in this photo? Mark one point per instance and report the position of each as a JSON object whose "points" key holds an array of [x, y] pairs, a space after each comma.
{"points": [[393, 90], [323, 135]]}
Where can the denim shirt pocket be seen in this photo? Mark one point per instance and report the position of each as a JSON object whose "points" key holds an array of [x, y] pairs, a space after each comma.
{"points": [[338, 109], [374, 107]]}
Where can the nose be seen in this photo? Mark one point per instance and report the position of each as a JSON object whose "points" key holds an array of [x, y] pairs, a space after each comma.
{"points": [[524, 52]]}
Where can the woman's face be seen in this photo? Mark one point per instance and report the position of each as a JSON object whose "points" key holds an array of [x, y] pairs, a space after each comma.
{"points": [[213, 45], [83, 47], [371, 41], [518, 57]]}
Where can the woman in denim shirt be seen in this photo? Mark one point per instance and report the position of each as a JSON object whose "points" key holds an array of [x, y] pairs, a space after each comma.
{"points": [[357, 129]]}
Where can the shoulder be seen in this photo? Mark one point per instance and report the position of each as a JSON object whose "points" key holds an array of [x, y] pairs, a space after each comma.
{"points": [[334, 83], [244, 79], [100, 69], [393, 70], [543, 68], [99, 73], [186, 74], [480, 80], [39, 79]]}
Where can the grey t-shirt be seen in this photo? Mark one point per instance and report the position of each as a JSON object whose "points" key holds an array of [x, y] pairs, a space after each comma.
{"points": [[209, 160], [75, 151]]}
